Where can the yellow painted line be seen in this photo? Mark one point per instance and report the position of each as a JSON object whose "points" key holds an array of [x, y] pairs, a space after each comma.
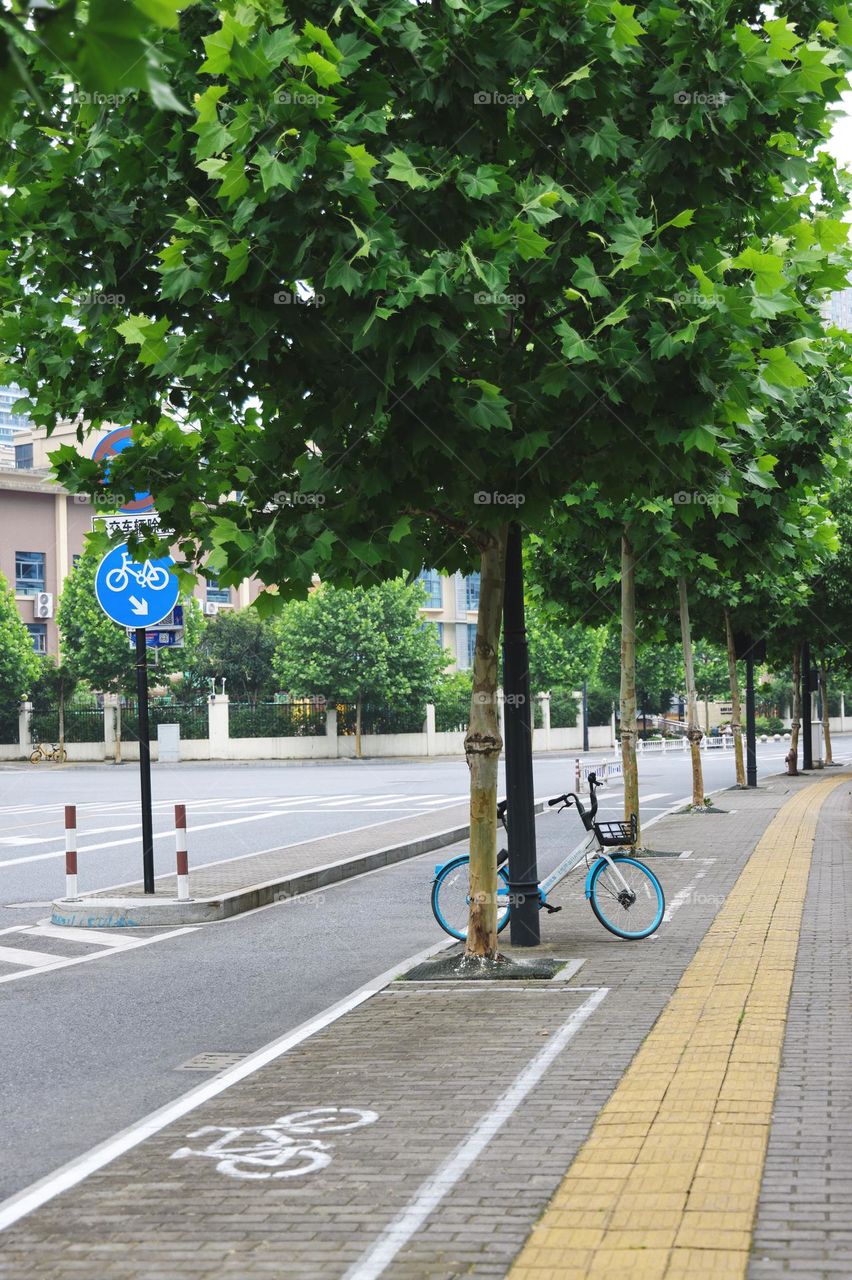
{"points": [[667, 1184]]}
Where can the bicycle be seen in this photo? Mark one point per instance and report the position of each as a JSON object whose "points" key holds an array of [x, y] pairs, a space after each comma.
{"points": [[625, 895], [146, 575], [55, 752]]}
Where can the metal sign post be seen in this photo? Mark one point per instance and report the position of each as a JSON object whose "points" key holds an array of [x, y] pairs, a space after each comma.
{"points": [[144, 760], [807, 709]]}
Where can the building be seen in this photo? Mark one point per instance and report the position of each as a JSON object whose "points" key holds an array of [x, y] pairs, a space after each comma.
{"points": [[838, 309], [10, 423], [452, 602]]}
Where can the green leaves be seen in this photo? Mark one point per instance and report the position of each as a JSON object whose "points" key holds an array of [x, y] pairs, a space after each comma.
{"points": [[402, 169], [148, 335], [625, 29], [780, 371]]}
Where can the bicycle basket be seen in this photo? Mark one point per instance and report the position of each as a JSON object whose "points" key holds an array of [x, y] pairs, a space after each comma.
{"points": [[616, 833]]}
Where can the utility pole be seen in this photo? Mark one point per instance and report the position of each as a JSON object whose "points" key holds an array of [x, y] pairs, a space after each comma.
{"points": [[523, 870], [807, 726], [751, 728], [144, 759]]}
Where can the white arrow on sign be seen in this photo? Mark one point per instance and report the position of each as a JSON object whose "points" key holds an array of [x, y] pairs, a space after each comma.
{"points": [[140, 607]]}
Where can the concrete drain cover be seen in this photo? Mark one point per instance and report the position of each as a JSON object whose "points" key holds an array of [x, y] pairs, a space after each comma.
{"points": [[211, 1062]]}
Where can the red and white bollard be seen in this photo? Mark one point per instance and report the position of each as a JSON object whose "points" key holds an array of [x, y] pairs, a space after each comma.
{"points": [[70, 851], [182, 855]]}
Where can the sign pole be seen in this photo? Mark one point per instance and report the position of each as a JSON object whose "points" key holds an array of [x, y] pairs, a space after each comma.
{"points": [[145, 759]]}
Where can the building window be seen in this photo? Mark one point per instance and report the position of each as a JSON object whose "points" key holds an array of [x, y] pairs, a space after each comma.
{"points": [[217, 594], [431, 580], [29, 572], [23, 457], [471, 591], [471, 640], [38, 635]]}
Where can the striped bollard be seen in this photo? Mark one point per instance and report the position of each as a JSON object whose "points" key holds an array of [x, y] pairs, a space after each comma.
{"points": [[70, 851], [182, 855], [577, 773]]}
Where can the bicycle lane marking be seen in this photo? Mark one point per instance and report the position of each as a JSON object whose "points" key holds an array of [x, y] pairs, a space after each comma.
{"points": [[24, 1202], [375, 1261]]}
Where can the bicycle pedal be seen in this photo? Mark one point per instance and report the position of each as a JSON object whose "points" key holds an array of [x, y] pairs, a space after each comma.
{"points": [[551, 909]]}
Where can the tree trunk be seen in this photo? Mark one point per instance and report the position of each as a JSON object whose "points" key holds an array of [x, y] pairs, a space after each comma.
{"points": [[358, 727], [62, 718], [693, 728], [117, 742], [482, 747], [736, 705], [629, 766], [826, 729], [796, 718]]}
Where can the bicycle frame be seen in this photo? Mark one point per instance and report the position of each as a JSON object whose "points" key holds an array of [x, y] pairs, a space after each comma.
{"points": [[575, 857]]}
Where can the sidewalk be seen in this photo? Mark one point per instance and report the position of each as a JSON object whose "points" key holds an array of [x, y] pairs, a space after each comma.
{"points": [[613, 1122]]}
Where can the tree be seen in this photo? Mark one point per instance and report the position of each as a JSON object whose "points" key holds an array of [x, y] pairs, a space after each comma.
{"points": [[561, 654], [359, 645], [426, 309], [239, 647], [104, 47], [54, 687], [19, 665]]}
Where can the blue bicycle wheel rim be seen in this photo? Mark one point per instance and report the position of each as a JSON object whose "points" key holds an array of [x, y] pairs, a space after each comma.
{"points": [[502, 920], [637, 935]]}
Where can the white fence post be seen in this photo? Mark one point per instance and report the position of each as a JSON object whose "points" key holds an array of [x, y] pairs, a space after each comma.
{"points": [[331, 738], [429, 728], [218, 725], [25, 737], [544, 702]]}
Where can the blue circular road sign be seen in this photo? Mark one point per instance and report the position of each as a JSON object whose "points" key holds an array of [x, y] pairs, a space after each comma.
{"points": [[133, 594]]}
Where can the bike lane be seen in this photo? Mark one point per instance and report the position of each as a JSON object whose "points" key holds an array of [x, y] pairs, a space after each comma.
{"points": [[459, 1110]]}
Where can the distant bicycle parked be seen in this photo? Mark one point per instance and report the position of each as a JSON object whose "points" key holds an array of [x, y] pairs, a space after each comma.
{"points": [[54, 752], [624, 894]]}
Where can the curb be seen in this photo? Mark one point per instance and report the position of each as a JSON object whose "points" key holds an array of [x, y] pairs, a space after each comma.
{"points": [[140, 912]]}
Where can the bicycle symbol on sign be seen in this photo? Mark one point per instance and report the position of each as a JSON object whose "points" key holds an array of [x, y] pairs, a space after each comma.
{"points": [[281, 1149], [148, 575]]}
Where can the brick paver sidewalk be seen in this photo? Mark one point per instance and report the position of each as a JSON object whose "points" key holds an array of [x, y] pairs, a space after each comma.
{"points": [[647, 1073]]}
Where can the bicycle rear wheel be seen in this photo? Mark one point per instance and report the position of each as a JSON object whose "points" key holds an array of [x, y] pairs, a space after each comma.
{"points": [[451, 897], [631, 912]]}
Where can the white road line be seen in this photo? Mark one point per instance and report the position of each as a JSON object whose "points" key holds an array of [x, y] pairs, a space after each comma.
{"points": [[77, 1170], [32, 959], [65, 962], [66, 932], [381, 1254]]}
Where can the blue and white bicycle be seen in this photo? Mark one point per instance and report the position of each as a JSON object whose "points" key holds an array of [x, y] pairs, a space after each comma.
{"points": [[624, 894]]}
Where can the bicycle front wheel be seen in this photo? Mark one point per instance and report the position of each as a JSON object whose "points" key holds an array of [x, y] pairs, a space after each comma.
{"points": [[35, 756], [630, 902], [451, 897]]}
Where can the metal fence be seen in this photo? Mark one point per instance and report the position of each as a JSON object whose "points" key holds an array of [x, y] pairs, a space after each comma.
{"points": [[84, 722], [192, 718], [380, 719], [9, 724], [300, 719]]}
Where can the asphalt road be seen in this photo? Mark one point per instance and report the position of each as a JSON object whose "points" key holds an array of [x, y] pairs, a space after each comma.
{"points": [[235, 809], [88, 1049]]}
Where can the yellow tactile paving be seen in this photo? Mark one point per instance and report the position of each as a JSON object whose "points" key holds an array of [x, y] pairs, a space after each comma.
{"points": [[666, 1185]]}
